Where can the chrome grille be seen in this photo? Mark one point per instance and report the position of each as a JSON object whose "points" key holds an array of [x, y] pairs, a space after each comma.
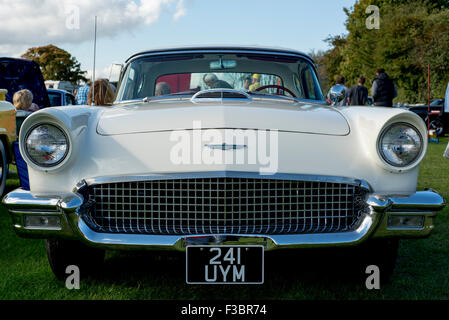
{"points": [[223, 206]]}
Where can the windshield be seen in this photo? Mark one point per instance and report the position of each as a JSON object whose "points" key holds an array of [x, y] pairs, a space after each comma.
{"points": [[189, 73], [438, 102]]}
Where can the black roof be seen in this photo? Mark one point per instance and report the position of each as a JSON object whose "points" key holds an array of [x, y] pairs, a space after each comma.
{"points": [[224, 48]]}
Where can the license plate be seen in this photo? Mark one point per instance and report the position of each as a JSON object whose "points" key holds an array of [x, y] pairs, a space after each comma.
{"points": [[225, 264]]}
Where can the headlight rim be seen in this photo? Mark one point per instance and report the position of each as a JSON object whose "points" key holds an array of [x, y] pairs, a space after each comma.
{"points": [[415, 160], [56, 164]]}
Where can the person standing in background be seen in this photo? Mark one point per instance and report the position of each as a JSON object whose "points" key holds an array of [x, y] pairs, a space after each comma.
{"points": [[383, 90], [446, 109], [104, 95], [446, 100], [358, 94], [82, 93]]}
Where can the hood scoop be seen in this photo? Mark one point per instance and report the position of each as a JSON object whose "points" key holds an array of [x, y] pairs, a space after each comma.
{"points": [[220, 95]]}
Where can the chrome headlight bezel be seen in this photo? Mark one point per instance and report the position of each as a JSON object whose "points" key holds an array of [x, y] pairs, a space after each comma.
{"points": [[41, 165], [384, 158]]}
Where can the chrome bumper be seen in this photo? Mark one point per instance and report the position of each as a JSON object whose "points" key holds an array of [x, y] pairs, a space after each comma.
{"points": [[375, 224]]}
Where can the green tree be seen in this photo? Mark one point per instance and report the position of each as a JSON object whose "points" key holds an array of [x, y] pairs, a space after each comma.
{"points": [[412, 35], [318, 57], [56, 64]]}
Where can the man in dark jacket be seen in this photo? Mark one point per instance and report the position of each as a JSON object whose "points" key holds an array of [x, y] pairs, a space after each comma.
{"points": [[383, 89], [358, 94]]}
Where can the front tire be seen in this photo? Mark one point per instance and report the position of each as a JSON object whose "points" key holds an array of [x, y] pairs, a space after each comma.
{"points": [[3, 168], [63, 253]]}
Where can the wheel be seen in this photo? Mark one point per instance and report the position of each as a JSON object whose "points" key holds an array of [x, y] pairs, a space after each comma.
{"points": [[381, 253], [3, 168], [63, 253], [437, 125]]}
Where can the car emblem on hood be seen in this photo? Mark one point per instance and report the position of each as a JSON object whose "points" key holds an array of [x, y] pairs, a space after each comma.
{"points": [[225, 146]]}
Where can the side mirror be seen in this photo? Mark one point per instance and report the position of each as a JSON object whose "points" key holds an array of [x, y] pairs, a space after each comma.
{"points": [[337, 93]]}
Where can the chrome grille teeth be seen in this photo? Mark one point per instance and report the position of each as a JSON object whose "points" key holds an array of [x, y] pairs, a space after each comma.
{"points": [[224, 205]]}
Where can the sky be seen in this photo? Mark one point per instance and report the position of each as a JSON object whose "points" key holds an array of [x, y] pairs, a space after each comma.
{"points": [[126, 27]]}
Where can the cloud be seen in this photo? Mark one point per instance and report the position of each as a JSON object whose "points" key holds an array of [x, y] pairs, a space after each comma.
{"points": [[111, 72], [24, 23], [180, 10]]}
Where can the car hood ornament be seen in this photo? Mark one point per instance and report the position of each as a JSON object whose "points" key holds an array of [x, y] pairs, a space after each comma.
{"points": [[225, 146]]}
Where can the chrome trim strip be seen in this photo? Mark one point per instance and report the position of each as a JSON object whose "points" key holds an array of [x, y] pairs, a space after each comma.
{"points": [[255, 97], [224, 50], [227, 174], [225, 146]]}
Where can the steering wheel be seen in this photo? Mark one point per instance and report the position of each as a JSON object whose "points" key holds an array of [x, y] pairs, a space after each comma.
{"points": [[277, 87]]}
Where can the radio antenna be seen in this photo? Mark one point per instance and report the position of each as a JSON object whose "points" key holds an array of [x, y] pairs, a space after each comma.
{"points": [[93, 71]]}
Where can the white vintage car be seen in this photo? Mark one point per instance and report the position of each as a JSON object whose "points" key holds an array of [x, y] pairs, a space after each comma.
{"points": [[225, 153]]}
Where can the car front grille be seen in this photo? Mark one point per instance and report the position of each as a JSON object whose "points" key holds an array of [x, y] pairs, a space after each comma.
{"points": [[223, 205]]}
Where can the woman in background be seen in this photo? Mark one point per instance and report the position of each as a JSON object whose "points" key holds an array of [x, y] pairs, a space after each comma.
{"points": [[104, 95]]}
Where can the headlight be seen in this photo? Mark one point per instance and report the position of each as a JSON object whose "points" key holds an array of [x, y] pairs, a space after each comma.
{"points": [[400, 144], [46, 145]]}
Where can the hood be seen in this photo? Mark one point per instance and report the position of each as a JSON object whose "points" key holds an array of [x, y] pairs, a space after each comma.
{"points": [[184, 115]]}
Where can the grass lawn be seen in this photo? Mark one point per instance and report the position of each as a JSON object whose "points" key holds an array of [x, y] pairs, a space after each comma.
{"points": [[422, 270]]}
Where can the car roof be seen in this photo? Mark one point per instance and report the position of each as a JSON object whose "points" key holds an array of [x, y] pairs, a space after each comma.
{"points": [[58, 90], [253, 48], [21, 60]]}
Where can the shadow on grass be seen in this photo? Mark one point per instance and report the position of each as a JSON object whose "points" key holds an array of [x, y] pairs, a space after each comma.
{"points": [[285, 271]]}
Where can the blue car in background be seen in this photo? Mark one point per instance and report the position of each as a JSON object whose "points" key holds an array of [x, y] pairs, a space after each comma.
{"points": [[18, 74], [15, 75], [60, 97]]}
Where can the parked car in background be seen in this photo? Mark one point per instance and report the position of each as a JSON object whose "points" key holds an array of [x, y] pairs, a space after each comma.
{"points": [[7, 137], [438, 118], [61, 85], [60, 98], [139, 174], [15, 75], [18, 74]]}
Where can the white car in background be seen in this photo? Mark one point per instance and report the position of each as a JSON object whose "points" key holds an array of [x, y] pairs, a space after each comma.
{"points": [[114, 177]]}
